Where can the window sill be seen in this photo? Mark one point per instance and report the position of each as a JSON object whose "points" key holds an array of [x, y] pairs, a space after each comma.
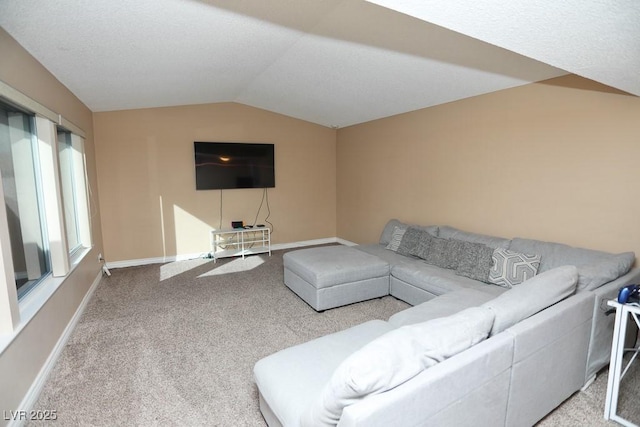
{"points": [[31, 304]]}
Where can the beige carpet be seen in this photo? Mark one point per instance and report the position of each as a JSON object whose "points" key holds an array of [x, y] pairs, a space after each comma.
{"points": [[175, 344]]}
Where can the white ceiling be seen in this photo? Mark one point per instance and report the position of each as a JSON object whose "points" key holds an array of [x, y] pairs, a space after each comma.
{"points": [[331, 62], [596, 39]]}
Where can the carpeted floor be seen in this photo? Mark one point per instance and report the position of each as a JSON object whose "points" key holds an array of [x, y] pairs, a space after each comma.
{"points": [[175, 344]]}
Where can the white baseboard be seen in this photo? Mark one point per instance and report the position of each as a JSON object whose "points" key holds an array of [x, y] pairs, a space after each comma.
{"points": [[156, 260], [345, 242], [303, 243], [173, 258], [36, 387]]}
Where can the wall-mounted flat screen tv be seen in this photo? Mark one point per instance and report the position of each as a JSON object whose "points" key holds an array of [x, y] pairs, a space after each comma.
{"points": [[226, 165]]}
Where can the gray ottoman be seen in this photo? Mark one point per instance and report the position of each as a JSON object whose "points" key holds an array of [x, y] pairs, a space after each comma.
{"points": [[331, 276]]}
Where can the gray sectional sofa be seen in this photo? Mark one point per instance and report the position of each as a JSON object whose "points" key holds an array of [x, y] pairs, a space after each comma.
{"points": [[467, 353]]}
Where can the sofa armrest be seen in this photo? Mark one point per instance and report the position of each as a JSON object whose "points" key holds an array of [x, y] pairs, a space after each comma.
{"points": [[551, 324], [551, 345], [468, 389], [602, 330]]}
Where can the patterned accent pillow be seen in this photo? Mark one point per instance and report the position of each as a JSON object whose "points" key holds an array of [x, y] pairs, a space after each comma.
{"points": [[512, 268], [396, 238]]}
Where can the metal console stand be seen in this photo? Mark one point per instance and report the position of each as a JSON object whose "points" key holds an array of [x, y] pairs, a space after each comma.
{"points": [[616, 372], [240, 242]]}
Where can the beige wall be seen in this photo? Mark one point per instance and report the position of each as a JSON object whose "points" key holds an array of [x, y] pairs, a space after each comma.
{"points": [[25, 356], [557, 160], [146, 175]]}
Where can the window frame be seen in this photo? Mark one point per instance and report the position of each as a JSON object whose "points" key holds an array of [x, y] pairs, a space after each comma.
{"points": [[17, 311], [69, 201]]}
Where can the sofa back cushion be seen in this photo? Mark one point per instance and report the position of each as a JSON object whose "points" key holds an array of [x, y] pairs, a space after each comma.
{"points": [[532, 296], [395, 358], [387, 231], [447, 232], [595, 268]]}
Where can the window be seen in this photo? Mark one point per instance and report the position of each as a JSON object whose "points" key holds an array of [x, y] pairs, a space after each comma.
{"points": [[45, 224], [69, 190], [23, 198]]}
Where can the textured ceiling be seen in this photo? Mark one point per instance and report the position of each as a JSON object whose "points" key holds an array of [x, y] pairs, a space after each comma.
{"points": [[331, 62], [596, 39]]}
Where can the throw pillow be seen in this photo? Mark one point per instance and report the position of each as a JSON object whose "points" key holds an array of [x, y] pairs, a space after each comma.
{"points": [[512, 268], [454, 251], [396, 238], [532, 296], [409, 241], [395, 358], [475, 261], [387, 231], [454, 233], [438, 253], [424, 243]]}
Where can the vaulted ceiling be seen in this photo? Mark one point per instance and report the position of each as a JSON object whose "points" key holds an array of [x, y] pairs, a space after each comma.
{"points": [[331, 62]]}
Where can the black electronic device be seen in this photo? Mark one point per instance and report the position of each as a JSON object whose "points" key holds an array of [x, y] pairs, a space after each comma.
{"points": [[629, 294], [237, 224], [228, 165], [260, 225]]}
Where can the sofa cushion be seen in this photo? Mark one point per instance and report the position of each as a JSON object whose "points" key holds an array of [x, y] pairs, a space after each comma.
{"points": [[511, 268], [595, 268], [285, 380], [442, 306], [447, 232], [475, 261], [436, 280], [381, 252], [532, 296], [395, 358], [396, 238], [594, 275], [387, 231], [327, 266]]}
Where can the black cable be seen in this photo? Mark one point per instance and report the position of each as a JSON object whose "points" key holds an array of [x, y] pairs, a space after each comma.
{"points": [[222, 246], [255, 221]]}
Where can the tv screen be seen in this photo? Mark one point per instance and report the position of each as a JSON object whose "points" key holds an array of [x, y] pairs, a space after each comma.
{"points": [[225, 165]]}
